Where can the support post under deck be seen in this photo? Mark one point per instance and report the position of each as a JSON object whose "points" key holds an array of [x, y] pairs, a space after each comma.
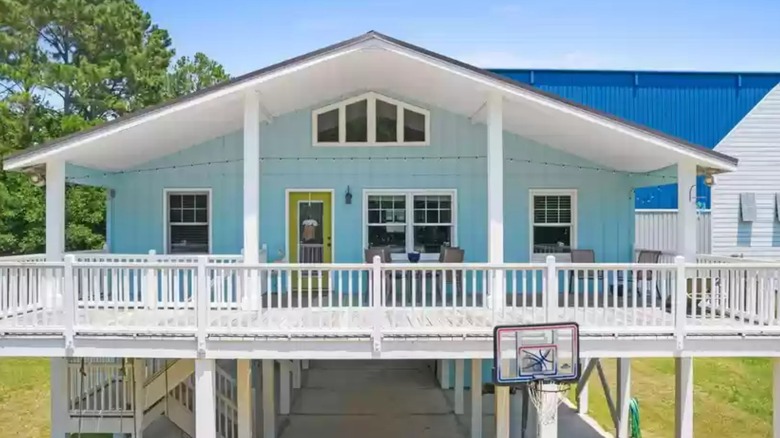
{"points": [[269, 412], [244, 397], [205, 397], [59, 397], [623, 396], [776, 398], [683, 391], [459, 370], [476, 398]]}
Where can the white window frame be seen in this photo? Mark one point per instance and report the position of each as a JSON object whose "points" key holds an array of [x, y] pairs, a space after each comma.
{"points": [[562, 257], [410, 194], [371, 98], [167, 192]]}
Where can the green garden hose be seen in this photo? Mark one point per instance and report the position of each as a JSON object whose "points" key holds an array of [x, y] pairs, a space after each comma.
{"points": [[633, 418]]}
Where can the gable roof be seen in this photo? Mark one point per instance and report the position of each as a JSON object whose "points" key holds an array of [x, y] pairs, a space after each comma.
{"points": [[32, 155]]}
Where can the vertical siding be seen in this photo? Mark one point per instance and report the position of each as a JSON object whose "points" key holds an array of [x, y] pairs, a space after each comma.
{"points": [[657, 229], [699, 107], [755, 141], [454, 160]]}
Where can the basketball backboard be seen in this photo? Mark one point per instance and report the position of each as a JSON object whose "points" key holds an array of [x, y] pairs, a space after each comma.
{"points": [[537, 352]]}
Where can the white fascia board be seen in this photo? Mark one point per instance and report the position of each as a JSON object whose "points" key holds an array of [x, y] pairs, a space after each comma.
{"points": [[42, 156], [513, 91]]}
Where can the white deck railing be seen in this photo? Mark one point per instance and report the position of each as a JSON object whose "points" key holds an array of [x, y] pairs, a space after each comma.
{"points": [[210, 295]]}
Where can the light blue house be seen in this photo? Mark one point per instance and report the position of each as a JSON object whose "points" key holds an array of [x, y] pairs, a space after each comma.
{"points": [[566, 183], [316, 165]]}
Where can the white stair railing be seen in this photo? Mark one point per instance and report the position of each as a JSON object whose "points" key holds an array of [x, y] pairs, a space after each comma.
{"points": [[100, 387]]}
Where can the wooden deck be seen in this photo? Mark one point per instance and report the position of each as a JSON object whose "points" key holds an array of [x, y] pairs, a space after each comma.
{"points": [[345, 321]]}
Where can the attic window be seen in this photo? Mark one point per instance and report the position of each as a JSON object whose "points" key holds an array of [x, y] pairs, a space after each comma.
{"points": [[371, 120], [747, 207]]}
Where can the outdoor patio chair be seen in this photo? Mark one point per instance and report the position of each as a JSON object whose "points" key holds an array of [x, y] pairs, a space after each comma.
{"points": [[644, 257], [584, 256], [449, 255]]}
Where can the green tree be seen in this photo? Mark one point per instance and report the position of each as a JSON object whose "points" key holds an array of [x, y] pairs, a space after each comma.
{"points": [[192, 74], [66, 65]]}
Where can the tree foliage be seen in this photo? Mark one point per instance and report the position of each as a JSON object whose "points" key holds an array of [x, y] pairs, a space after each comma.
{"points": [[66, 65]]}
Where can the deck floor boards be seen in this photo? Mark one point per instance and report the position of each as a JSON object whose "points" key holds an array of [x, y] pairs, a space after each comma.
{"points": [[341, 320]]}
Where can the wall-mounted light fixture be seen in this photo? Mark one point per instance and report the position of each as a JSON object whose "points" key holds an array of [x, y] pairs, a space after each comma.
{"points": [[348, 196], [38, 179], [709, 179]]}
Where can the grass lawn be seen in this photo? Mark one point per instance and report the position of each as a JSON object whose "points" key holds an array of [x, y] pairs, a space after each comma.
{"points": [[24, 399], [732, 397]]}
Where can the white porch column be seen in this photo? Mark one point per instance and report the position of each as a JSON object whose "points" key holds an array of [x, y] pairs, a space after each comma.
{"points": [[476, 398], [55, 210], [623, 395], [139, 396], [776, 398], [495, 198], [251, 177], [683, 400], [205, 398], [495, 190], [686, 211], [244, 397], [269, 412], [59, 397]]}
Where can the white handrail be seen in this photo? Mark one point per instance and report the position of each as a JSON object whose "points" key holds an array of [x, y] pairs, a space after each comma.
{"points": [[198, 297]]}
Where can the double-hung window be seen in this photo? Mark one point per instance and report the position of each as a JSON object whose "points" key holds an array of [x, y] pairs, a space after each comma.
{"points": [[553, 223], [188, 227], [406, 221]]}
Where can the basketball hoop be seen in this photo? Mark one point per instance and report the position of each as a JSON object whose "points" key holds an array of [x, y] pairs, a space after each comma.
{"points": [[543, 358], [546, 398]]}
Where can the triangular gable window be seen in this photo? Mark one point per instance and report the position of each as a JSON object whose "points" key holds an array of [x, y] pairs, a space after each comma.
{"points": [[371, 119]]}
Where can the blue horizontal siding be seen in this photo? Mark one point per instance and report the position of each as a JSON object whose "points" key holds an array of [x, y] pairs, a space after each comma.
{"points": [[698, 107]]}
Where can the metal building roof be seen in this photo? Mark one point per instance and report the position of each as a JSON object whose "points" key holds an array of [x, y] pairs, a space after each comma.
{"points": [[700, 107]]}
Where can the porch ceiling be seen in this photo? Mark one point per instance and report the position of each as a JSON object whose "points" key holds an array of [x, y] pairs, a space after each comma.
{"points": [[371, 62]]}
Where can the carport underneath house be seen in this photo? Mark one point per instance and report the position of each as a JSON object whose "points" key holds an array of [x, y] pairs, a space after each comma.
{"points": [[496, 166]]}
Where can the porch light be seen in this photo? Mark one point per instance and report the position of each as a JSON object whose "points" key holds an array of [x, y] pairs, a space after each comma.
{"points": [[37, 179], [348, 196], [709, 180]]}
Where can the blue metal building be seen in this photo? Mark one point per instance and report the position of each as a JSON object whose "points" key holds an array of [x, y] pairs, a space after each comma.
{"points": [[698, 107]]}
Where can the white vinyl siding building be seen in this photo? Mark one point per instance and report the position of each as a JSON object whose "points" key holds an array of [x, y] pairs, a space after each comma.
{"points": [[755, 141]]}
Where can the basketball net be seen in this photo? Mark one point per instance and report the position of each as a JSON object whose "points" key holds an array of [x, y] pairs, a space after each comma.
{"points": [[546, 398]]}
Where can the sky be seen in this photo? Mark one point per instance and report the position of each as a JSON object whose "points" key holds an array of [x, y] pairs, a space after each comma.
{"points": [[698, 35]]}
